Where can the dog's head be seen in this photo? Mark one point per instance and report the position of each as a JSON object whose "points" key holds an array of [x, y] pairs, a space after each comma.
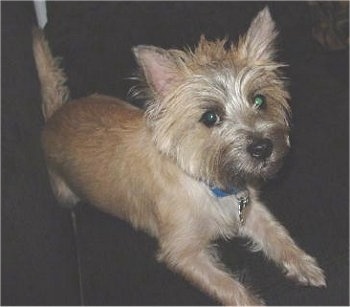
{"points": [[220, 111]]}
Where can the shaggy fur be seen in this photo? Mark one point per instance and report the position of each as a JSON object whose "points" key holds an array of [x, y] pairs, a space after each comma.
{"points": [[155, 168]]}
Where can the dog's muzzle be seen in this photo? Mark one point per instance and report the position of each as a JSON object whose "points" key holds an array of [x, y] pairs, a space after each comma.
{"points": [[260, 149]]}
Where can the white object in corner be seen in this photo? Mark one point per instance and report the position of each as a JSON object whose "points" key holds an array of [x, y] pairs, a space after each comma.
{"points": [[40, 11]]}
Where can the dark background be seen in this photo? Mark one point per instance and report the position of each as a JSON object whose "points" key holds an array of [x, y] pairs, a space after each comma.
{"points": [[39, 245]]}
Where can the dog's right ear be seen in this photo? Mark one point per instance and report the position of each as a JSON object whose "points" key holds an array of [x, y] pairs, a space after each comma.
{"points": [[158, 66], [260, 39]]}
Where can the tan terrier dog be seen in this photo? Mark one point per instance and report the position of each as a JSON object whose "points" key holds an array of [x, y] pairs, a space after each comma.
{"points": [[184, 169]]}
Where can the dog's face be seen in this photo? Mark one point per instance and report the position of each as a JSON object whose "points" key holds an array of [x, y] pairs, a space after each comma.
{"points": [[220, 111]]}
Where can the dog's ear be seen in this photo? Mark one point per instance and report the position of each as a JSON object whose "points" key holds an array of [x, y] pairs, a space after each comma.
{"points": [[258, 43], [158, 67]]}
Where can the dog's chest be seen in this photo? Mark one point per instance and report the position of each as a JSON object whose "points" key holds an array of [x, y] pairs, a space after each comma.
{"points": [[225, 211], [220, 214]]}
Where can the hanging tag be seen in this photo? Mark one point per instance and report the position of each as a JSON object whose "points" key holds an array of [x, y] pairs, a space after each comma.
{"points": [[243, 202]]}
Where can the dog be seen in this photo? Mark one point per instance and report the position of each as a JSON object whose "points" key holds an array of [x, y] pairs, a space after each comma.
{"points": [[187, 168]]}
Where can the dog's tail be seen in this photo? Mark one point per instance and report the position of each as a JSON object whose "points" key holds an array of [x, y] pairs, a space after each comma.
{"points": [[52, 78]]}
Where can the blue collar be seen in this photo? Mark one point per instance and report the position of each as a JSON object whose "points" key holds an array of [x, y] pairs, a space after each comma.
{"points": [[221, 193]]}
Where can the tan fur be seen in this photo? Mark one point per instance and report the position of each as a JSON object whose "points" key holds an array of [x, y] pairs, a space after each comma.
{"points": [[155, 168], [52, 78]]}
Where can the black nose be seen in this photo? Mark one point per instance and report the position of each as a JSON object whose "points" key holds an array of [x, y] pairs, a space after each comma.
{"points": [[260, 148]]}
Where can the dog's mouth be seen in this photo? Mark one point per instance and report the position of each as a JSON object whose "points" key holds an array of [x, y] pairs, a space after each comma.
{"points": [[268, 168], [265, 167], [264, 157], [248, 168], [262, 171]]}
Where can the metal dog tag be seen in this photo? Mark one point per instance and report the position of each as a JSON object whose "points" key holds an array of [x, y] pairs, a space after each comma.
{"points": [[243, 202]]}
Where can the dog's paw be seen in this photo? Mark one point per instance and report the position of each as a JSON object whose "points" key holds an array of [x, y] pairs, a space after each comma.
{"points": [[305, 270], [243, 296], [255, 301], [247, 300]]}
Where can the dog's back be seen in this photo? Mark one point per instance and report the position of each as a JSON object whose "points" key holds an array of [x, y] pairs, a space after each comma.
{"points": [[86, 141]]}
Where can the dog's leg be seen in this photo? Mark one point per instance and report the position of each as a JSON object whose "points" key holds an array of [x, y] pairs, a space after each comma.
{"points": [[187, 255], [63, 193], [273, 239]]}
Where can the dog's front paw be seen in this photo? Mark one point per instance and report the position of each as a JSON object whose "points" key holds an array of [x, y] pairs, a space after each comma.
{"points": [[239, 295], [256, 301], [244, 300], [305, 270]]}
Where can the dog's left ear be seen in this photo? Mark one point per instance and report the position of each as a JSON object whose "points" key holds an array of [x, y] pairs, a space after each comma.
{"points": [[258, 43], [158, 66]]}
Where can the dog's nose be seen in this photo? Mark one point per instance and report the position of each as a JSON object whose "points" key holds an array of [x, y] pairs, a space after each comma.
{"points": [[260, 149]]}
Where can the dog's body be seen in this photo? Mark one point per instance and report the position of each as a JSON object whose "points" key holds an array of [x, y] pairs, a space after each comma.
{"points": [[160, 169]]}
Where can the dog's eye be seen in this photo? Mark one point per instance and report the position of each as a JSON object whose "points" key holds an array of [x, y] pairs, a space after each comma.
{"points": [[210, 118], [259, 101]]}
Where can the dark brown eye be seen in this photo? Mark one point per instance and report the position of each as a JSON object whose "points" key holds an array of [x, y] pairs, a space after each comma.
{"points": [[210, 118]]}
